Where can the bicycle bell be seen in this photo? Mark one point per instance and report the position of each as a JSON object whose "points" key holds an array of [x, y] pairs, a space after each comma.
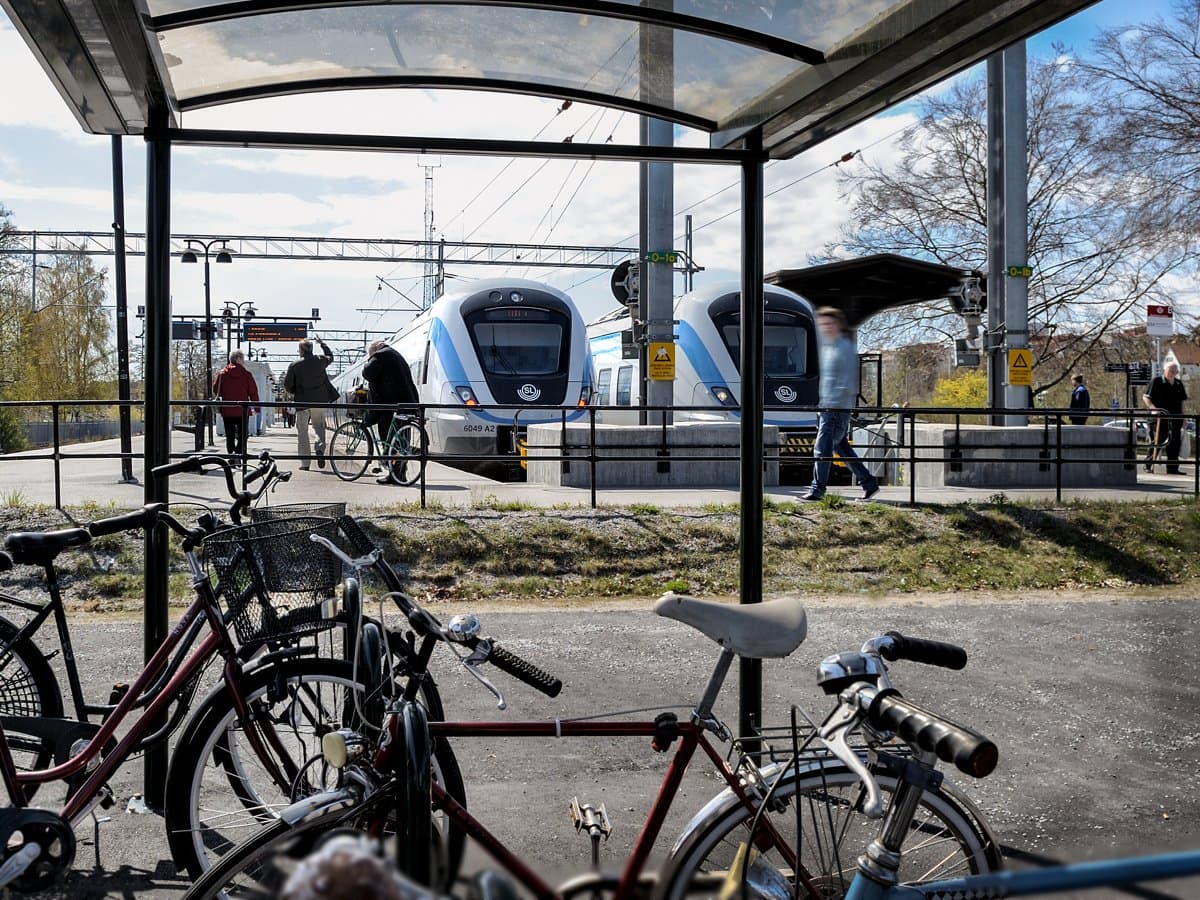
{"points": [[844, 669], [461, 628]]}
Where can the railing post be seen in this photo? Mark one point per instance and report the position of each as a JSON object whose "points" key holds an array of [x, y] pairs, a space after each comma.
{"points": [[1058, 458], [592, 451], [912, 459], [57, 456]]}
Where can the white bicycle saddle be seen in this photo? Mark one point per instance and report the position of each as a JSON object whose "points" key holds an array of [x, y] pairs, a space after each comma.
{"points": [[756, 631]]}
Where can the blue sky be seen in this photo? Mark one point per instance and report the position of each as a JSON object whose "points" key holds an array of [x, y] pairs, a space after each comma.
{"points": [[54, 177]]}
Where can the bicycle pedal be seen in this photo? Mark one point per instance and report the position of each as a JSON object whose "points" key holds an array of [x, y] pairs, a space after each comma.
{"points": [[593, 820], [107, 799]]}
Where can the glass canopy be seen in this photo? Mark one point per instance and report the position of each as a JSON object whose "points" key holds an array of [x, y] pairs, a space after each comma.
{"points": [[799, 70]]}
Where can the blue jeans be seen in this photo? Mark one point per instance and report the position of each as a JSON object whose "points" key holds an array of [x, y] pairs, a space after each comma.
{"points": [[833, 432]]}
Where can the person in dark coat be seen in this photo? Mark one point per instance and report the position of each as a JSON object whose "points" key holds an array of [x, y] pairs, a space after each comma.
{"points": [[389, 380], [1080, 399], [236, 383], [1165, 396], [306, 380]]}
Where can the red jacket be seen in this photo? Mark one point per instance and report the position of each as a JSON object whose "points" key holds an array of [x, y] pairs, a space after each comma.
{"points": [[235, 382]]}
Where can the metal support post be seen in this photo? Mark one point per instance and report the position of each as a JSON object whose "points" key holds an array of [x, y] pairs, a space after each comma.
{"points": [[124, 393]]}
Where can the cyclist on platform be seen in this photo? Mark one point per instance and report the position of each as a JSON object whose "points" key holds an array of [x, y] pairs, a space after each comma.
{"points": [[389, 381]]}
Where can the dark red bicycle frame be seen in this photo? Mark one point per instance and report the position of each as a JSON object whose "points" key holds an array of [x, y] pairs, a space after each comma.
{"points": [[691, 736], [217, 641]]}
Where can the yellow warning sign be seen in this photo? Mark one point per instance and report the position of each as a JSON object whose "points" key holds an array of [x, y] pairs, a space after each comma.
{"points": [[1020, 367], [661, 365]]}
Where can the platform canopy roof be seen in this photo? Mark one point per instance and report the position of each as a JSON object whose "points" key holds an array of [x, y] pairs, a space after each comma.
{"points": [[867, 285], [801, 70]]}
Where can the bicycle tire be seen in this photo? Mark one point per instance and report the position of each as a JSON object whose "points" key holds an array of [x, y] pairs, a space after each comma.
{"points": [[346, 450], [28, 689], [834, 834], [406, 451], [216, 786]]}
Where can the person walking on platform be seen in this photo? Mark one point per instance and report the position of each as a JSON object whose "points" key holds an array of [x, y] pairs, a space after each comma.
{"points": [[838, 394], [1165, 397], [1080, 399], [389, 380], [306, 380], [235, 383]]}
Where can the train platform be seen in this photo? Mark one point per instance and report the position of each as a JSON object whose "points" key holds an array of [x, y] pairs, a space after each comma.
{"points": [[91, 474]]}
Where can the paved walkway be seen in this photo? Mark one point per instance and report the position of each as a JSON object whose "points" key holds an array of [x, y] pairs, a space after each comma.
{"points": [[92, 473]]}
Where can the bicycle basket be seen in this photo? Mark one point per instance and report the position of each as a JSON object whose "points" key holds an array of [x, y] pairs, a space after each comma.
{"points": [[294, 510], [273, 578]]}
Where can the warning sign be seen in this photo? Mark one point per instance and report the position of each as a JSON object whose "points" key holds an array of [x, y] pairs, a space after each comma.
{"points": [[1020, 367], [661, 366]]}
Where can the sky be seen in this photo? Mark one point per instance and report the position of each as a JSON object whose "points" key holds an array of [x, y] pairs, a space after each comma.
{"points": [[53, 176]]}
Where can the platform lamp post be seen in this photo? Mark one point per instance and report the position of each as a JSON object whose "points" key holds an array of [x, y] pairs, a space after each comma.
{"points": [[235, 312], [223, 256]]}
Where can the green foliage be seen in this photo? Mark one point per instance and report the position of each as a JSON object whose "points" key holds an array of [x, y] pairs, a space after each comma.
{"points": [[12, 435]]}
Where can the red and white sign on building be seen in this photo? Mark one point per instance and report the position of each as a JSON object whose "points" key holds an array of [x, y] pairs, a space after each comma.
{"points": [[1160, 321]]}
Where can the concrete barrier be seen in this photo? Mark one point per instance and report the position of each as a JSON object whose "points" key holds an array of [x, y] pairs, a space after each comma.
{"points": [[984, 456], [642, 455]]}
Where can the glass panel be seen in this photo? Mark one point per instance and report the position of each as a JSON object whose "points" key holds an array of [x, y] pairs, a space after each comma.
{"points": [[785, 346], [603, 380], [586, 53], [624, 386], [526, 348]]}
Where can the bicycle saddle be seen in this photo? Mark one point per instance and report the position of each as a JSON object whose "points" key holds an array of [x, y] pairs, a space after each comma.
{"points": [[759, 631], [38, 547]]}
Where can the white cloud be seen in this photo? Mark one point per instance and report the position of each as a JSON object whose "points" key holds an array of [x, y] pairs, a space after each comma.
{"points": [[30, 100]]}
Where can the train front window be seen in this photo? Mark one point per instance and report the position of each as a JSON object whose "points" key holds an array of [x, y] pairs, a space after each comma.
{"points": [[520, 341], [785, 343]]}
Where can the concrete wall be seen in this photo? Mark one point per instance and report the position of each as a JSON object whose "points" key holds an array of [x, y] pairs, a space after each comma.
{"points": [[637, 455], [1004, 457]]}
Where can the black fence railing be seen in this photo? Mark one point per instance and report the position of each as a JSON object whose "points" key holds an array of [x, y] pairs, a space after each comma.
{"points": [[911, 447]]}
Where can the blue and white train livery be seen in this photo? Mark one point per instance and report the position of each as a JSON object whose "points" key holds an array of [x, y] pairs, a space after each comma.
{"points": [[509, 343], [708, 356]]}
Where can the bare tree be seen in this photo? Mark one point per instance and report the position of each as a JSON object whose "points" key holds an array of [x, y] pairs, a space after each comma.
{"points": [[1146, 79], [1092, 264]]}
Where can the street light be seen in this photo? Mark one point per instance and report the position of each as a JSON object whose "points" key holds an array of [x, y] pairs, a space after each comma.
{"points": [[223, 256], [235, 312]]}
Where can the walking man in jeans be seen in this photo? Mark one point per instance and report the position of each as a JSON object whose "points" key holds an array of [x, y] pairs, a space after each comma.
{"points": [[839, 392], [306, 380]]}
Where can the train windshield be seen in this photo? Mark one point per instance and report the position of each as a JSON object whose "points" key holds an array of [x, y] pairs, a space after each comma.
{"points": [[518, 340], [785, 342]]}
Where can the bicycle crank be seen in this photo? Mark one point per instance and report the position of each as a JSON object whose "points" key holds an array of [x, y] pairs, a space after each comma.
{"points": [[39, 847]]}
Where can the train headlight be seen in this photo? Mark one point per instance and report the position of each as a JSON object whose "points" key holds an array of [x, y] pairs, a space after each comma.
{"points": [[585, 395], [466, 395], [724, 396]]}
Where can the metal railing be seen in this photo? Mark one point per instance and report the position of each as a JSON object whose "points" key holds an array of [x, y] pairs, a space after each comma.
{"points": [[906, 442]]}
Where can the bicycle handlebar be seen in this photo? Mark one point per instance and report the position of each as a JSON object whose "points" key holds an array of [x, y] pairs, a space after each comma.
{"points": [[142, 518], [970, 752], [267, 470], [922, 650]]}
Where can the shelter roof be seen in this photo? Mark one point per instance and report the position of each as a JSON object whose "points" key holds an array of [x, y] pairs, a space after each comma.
{"points": [[868, 285], [800, 69]]}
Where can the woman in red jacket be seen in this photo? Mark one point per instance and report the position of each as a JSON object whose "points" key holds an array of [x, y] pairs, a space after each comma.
{"points": [[235, 383]]}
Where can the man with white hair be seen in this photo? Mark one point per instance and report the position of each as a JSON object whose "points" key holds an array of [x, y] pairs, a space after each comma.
{"points": [[1165, 397]]}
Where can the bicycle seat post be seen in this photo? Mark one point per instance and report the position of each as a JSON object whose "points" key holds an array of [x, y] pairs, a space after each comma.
{"points": [[702, 714]]}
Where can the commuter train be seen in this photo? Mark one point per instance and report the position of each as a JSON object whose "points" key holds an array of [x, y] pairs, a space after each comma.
{"points": [[708, 356], [511, 343]]}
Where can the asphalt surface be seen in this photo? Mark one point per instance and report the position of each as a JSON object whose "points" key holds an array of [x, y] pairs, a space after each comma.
{"points": [[1093, 703]]}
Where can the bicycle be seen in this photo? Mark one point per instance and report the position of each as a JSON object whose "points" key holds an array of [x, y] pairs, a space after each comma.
{"points": [[403, 451], [30, 688], [273, 586], [950, 835], [932, 737]]}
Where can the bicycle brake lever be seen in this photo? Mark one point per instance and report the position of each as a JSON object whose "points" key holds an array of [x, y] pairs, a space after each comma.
{"points": [[473, 661], [833, 734]]}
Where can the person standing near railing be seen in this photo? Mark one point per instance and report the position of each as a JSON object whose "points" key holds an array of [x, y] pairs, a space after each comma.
{"points": [[1080, 399], [389, 380], [235, 384], [306, 380], [1165, 397], [839, 390]]}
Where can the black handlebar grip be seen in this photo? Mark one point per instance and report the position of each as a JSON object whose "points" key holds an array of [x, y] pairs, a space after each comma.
{"points": [[361, 544], [142, 518], [6, 561], [970, 751], [189, 464], [932, 653], [525, 671]]}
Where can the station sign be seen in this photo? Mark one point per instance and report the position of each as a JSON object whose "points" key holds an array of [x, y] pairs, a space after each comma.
{"points": [[1160, 321], [1137, 372], [663, 256], [1020, 367], [660, 364], [258, 332], [1020, 271]]}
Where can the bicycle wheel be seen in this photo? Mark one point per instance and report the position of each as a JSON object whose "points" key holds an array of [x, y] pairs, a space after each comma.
{"points": [[946, 839], [351, 450], [405, 452], [219, 790], [28, 689]]}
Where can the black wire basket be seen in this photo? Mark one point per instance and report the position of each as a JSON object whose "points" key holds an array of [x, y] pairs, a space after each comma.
{"points": [[275, 581], [294, 510]]}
